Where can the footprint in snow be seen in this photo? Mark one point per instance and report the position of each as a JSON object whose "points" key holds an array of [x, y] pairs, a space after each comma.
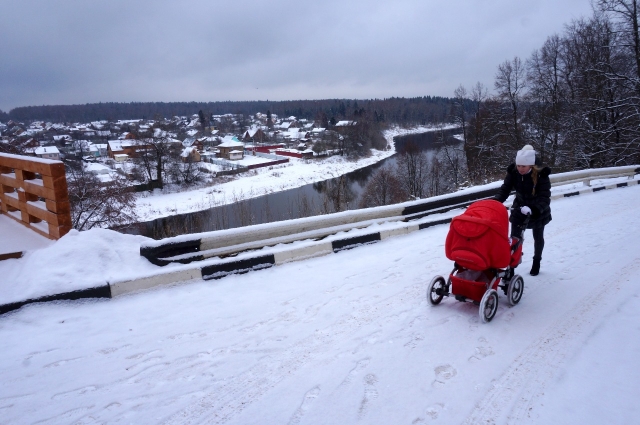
{"points": [[443, 374], [308, 400], [370, 394], [481, 353]]}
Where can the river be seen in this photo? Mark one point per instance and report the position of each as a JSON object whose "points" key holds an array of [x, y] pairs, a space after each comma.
{"points": [[304, 201]]}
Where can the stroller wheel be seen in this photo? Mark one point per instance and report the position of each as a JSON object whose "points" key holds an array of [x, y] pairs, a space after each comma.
{"points": [[516, 288], [488, 305], [436, 290]]}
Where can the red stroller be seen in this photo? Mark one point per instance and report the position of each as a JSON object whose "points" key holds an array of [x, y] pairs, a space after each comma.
{"points": [[484, 259]]}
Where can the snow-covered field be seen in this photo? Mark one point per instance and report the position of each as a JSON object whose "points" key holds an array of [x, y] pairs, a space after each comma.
{"points": [[262, 181], [346, 338]]}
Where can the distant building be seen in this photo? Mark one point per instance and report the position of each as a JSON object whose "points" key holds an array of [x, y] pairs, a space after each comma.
{"points": [[228, 145], [47, 152]]}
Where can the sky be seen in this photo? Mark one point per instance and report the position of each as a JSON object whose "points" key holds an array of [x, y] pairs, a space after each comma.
{"points": [[74, 51], [344, 338]]}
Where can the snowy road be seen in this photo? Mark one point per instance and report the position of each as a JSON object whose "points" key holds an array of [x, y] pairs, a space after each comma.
{"points": [[349, 338]]}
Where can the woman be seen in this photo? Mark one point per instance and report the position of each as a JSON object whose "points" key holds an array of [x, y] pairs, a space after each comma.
{"points": [[533, 196]]}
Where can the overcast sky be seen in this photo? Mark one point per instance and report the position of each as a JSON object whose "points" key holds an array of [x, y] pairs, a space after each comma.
{"points": [[83, 51]]}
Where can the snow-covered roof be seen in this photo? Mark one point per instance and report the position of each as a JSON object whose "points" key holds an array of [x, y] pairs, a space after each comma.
{"points": [[189, 141], [42, 150], [118, 145], [345, 123], [231, 144], [97, 168], [188, 151], [252, 131]]}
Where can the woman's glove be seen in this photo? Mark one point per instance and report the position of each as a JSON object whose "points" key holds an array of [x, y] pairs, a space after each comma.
{"points": [[525, 210]]}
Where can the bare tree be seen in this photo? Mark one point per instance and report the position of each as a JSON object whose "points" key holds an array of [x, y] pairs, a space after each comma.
{"points": [[625, 15], [412, 171], [337, 194], [510, 83], [98, 204], [452, 162], [383, 188], [460, 97], [548, 97], [152, 156]]}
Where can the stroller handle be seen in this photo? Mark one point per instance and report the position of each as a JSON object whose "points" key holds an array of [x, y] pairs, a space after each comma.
{"points": [[521, 226]]}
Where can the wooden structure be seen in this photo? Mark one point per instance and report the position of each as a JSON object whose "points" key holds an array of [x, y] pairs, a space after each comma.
{"points": [[33, 191]]}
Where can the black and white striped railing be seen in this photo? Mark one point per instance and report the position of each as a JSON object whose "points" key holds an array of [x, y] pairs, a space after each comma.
{"points": [[187, 248], [224, 243], [214, 255]]}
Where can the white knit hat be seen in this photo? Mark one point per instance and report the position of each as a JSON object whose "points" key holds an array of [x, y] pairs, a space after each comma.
{"points": [[526, 156]]}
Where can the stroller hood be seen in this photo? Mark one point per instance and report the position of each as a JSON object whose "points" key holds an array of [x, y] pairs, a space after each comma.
{"points": [[478, 239]]}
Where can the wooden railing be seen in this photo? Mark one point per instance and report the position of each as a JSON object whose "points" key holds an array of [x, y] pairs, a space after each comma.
{"points": [[33, 191]]}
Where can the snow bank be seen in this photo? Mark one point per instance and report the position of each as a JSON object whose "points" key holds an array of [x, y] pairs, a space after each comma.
{"points": [[78, 260]]}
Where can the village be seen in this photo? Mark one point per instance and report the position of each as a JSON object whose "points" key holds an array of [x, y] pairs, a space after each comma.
{"points": [[186, 164], [216, 145]]}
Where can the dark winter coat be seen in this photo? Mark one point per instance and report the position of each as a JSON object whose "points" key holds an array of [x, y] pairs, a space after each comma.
{"points": [[523, 185]]}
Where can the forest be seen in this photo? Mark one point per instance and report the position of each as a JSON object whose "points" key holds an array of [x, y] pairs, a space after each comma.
{"points": [[405, 111]]}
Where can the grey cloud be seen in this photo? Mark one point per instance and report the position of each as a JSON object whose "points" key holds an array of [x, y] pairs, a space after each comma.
{"points": [[77, 51]]}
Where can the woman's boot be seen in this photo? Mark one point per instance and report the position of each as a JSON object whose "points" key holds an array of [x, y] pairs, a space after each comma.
{"points": [[535, 268]]}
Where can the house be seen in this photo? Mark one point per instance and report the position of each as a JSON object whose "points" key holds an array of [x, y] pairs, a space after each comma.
{"points": [[190, 154], [126, 147], [193, 142], [102, 172], [286, 125], [229, 144], [254, 134], [236, 155], [62, 138], [48, 152], [127, 136], [102, 148], [296, 134], [86, 148], [116, 147]]}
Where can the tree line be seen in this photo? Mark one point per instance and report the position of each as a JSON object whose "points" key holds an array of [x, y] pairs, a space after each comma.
{"points": [[400, 110]]}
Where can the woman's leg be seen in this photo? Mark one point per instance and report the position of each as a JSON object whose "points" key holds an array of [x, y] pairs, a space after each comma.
{"points": [[538, 242], [538, 246]]}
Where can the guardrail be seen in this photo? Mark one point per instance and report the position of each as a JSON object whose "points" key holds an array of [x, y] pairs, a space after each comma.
{"points": [[33, 191], [223, 243], [586, 176], [312, 243]]}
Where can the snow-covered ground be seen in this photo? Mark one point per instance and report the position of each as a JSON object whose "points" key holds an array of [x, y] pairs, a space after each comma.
{"points": [[341, 339], [262, 181]]}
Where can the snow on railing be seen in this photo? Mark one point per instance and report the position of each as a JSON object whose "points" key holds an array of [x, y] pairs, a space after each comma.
{"points": [[586, 176], [195, 247], [33, 191]]}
